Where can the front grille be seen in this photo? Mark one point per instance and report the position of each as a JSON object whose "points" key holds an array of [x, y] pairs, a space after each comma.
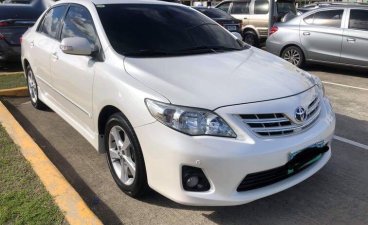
{"points": [[301, 161], [278, 124]]}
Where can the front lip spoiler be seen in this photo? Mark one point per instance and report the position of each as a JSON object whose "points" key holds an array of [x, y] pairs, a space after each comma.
{"points": [[264, 100]]}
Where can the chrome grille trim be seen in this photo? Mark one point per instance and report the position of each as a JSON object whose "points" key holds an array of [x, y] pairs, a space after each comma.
{"points": [[284, 119], [279, 124]]}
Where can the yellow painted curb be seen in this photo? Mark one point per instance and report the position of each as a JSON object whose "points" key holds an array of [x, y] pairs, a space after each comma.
{"points": [[18, 92], [70, 203], [10, 73]]}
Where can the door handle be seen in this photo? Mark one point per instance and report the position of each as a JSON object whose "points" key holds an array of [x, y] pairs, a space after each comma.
{"points": [[245, 18], [31, 44], [306, 33], [55, 56], [351, 39]]}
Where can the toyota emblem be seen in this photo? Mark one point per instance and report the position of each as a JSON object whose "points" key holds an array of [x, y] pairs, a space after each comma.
{"points": [[300, 114]]}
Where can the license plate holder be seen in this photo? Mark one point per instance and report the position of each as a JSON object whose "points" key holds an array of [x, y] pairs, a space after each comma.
{"points": [[293, 154], [231, 28]]}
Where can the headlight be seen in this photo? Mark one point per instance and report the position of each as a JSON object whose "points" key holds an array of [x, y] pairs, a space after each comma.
{"points": [[315, 80], [320, 85], [190, 121]]}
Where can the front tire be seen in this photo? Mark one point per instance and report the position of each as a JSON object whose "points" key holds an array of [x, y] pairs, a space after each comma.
{"points": [[124, 156], [33, 89], [294, 55]]}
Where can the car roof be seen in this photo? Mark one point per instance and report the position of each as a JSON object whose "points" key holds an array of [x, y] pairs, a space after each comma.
{"points": [[106, 2], [345, 6], [203, 7]]}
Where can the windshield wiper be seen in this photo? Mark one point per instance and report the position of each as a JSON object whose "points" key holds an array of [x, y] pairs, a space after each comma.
{"points": [[194, 50], [205, 49], [223, 48], [148, 52]]}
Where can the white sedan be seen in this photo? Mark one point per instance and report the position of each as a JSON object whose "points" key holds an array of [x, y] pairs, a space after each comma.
{"points": [[177, 103]]}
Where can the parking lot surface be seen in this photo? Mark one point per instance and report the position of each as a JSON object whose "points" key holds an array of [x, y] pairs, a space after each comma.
{"points": [[335, 195]]}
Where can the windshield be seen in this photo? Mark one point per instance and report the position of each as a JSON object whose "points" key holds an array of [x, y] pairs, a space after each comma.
{"points": [[214, 13], [144, 30]]}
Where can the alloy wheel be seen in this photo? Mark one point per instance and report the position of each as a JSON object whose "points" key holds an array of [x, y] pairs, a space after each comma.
{"points": [[32, 86], [122, 156], [293, 56]]}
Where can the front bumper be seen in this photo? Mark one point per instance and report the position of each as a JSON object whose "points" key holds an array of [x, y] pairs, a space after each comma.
{"points": [[226, 161]]}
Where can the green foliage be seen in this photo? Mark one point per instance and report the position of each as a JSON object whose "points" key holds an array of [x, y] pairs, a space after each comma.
{"points": [[12, 80], [23, 198]]}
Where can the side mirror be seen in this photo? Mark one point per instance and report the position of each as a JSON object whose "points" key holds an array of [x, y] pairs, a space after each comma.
{"points": [[237, 35], [76, 46]]}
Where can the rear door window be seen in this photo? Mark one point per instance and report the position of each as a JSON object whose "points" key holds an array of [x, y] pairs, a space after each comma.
{"points": [[358, 19], [261, 6], [52, 21], [224, 7], [328, 18], [240, 8], [309, 19]]}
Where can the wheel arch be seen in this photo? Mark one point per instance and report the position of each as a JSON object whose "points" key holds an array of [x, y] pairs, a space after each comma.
{"points": [[105, 113], [103, 117], [25, 64], [251, 28]]}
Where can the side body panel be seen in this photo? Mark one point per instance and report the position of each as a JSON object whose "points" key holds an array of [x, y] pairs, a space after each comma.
{"points": [[355, 44], [322, 43], [259, 21]]}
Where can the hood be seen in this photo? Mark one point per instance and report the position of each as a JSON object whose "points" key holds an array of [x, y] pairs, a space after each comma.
{"points": [[219, 79]]}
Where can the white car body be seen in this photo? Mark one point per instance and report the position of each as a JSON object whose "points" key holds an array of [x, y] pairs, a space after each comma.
{"points": [[231, 83]]}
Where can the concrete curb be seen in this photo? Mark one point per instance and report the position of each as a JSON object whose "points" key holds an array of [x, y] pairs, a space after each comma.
{"points": [[9, 73], [68, 200], [17, 92]]}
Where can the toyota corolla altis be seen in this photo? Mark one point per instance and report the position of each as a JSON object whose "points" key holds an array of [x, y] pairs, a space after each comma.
{"points": [[177, 103]]}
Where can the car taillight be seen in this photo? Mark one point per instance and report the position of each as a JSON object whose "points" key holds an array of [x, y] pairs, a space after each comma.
{"points": [[4, 24], [20, 39], [273, 30], [2, 37]]}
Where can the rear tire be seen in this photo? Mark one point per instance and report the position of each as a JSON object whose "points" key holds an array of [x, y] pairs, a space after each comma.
{"points": [[33, 89], [294, 55], [251, 38], [124, 156]]}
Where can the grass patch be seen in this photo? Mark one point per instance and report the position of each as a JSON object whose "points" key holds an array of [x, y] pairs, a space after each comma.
{"points": [[23, 198], [12, 80]]}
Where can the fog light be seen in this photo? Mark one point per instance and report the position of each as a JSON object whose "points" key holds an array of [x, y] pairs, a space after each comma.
{"points": [[194, 179]]}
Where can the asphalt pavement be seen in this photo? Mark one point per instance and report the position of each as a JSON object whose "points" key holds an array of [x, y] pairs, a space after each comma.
{"points": [[335, 195]]}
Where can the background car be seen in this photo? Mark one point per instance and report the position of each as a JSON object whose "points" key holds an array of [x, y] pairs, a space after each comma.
{"points": [[307, 8], [15, 19], [224, 19], [255, 16], [336, 34], [18, 1]]}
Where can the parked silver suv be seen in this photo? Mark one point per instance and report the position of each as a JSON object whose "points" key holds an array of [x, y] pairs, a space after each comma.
{"points": [[335, 35]]}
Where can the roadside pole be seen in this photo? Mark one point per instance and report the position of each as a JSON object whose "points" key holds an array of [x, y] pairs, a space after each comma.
{"points": [[271, 16]]}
